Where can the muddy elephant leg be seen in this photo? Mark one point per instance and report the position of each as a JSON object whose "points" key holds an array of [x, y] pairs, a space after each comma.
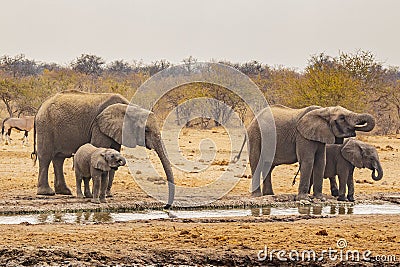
{"points": [[78, 178], [343, 175], [43, 187], [59, 183], [311, 183], [104, 186], [87, 192], [318, 172], [350, 186], [111, 175], [334, 187], [256, 182], [96, 188], [267, 184]]}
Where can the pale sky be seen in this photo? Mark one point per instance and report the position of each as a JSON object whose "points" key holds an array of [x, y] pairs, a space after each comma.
{"points": [[279, 32]]}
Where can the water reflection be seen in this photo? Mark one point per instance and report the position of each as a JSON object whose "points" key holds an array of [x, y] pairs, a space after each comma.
{"points": [[88, 217], [308, 209], [261, 211]]}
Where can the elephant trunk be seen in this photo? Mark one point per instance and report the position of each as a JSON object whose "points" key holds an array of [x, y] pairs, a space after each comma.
{"points": [[377, 166], [158, 146], [122, 161], [364, 122]]}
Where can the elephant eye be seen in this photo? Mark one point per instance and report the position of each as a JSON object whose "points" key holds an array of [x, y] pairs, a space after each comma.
{"points": [[341, 118]]}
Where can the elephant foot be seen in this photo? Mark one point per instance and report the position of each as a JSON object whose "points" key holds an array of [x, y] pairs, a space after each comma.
{"points": [[45, 190], [103, 200], [350, 198], [88, 195], [256, 193], [80, 196], [109, 194], [95, 200], [303, 197], [334, 192], [63, 191], [268, 193], [320, 197], [342, 198]]}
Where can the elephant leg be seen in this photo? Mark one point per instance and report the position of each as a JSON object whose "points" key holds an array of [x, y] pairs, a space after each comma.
{"points": [[111, 175], [334, 187], [267, 184], [88, 194], [96, 188], [43, 187], [343, 174], [305, 174], [350, 187], [59, 183], [78, 178], [311, 183], [255, 182], [318, 172], [103, 187]]}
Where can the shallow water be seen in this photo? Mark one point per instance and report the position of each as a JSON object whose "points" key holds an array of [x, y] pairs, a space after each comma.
{"points": [[97, 217]]}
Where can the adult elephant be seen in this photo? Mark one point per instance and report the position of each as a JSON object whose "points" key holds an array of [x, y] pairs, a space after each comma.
{"points": [[301, 135], [70, 119]]}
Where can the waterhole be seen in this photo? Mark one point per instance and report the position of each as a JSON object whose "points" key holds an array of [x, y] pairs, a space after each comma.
{"points": [[109, 217]]}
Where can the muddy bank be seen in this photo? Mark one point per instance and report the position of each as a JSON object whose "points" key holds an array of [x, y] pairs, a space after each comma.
{"points": [[204, 242]]}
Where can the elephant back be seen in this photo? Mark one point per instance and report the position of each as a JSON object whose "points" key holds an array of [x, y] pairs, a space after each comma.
{"points": [[64, 121]]}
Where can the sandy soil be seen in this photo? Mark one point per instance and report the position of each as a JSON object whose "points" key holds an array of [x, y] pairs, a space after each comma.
{"points": [[230, 241]]}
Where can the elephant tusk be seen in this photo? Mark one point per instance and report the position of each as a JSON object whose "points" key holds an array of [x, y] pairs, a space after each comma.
{"points": [[361, 125]]}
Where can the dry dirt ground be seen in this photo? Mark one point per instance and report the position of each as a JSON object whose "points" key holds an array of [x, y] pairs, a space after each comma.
{"points": [[223, 241]]}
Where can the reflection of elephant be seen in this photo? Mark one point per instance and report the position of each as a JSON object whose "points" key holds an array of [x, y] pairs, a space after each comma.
{"points": [[341, 160], [95, 163], [301, 135], [70, 119]]}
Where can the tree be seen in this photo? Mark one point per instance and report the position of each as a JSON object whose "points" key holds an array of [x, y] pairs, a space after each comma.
{"points": [[88, 64], [19, 66], [119, 67]]}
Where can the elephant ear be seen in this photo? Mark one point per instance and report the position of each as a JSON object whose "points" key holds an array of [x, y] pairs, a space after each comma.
{"points": [[111, 120], [315, 126], [125, 124], [98, 162], [352, 152]]}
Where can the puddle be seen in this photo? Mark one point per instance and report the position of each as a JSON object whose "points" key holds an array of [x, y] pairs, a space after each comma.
{"points": [[98, 217]]}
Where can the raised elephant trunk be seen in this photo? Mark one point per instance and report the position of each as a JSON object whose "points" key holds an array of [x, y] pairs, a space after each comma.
{"points": [[158, 146], [377, 166], [364, 122]]}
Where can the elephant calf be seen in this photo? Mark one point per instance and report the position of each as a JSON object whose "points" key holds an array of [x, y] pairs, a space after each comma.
{"points": [[341, 160], [93, 162]]}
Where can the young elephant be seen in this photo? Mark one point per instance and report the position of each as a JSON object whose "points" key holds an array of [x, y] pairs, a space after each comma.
{"points": [[93, 162], [341, 160]]}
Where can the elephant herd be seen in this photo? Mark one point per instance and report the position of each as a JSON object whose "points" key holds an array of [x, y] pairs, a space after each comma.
{"points": [[68, 122], [308, 136]]}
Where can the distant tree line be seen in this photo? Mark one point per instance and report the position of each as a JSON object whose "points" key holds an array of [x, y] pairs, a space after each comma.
{"points": [[357, 81]]}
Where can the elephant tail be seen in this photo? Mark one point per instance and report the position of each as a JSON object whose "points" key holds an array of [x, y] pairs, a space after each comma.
{"points": [[237, 157], [34, 153], [294, 178]]}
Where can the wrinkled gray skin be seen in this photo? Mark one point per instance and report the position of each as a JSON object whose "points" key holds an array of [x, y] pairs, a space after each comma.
{"points": [[301, 135], [341, 160], [95, 163], [70, 119]]}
